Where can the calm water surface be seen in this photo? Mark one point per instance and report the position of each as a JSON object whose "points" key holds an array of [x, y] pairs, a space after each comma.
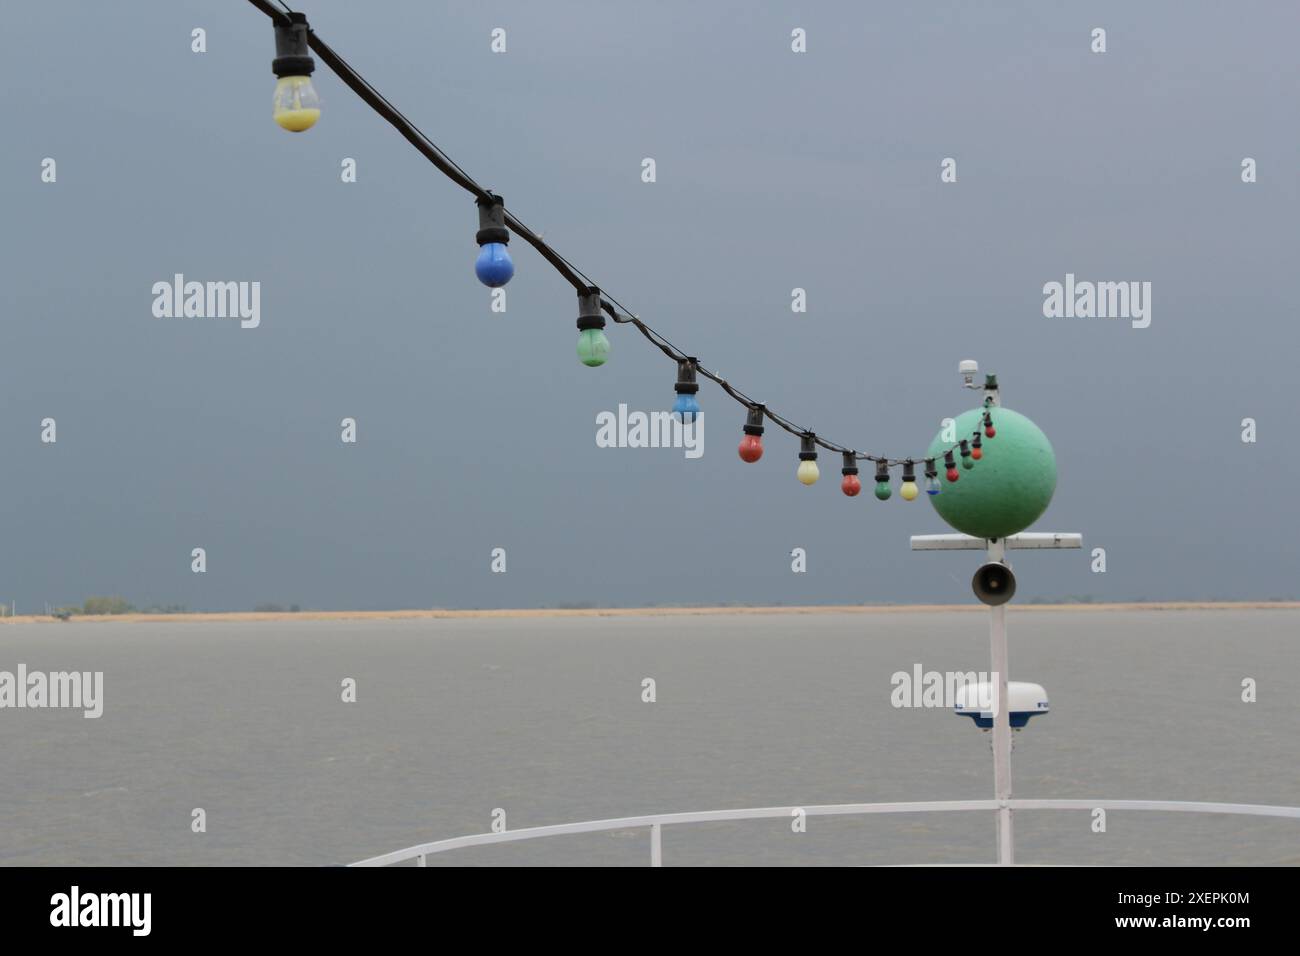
{"points": [[544, 719]]}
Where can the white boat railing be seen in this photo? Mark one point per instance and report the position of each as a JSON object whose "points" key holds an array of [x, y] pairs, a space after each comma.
{"points": [[655, 823]]}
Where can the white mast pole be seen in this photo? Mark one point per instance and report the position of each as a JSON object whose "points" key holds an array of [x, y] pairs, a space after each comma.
{"points": [[1001, 720]]}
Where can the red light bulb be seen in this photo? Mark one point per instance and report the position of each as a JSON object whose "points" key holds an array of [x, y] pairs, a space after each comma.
{"points": [[952, 474], [977, 453], [751, 448], [989, 431], [851, 485]]}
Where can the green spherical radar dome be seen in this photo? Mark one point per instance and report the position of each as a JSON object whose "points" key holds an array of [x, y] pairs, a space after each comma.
{"points": [[1010, 486]]}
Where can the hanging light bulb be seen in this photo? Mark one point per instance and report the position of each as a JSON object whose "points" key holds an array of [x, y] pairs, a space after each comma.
{"points": [[686, 406], [931, 478], [751, 446], [908, 488], [494, 267], [951, 465], [882, 480], [808, 471], [965, 455], [593, 346], [295, 106], [851, 484], [989, 430]]}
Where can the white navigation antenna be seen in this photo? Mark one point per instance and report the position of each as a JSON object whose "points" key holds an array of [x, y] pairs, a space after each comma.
{"points": [[979, 702]]}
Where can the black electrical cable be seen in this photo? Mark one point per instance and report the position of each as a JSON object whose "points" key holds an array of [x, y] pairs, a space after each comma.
{"points": [[575, 276]]}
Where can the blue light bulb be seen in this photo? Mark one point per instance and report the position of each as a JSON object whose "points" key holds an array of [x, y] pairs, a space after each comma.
{"points": [[686, 408], [494, 266], [931, 485]]}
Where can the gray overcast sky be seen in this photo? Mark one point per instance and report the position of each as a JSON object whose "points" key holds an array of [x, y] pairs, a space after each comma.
{"points": [[775, 170]]}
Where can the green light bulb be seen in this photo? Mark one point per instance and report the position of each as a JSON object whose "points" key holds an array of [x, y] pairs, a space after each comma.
{"points": [[882, 490], [593, 347]]}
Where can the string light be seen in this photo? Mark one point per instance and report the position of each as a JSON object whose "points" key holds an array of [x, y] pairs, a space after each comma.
{"points": [[686, 406], [295, 106], [931, 478], [494, 267], [808, 471], [751, 446], [882, 480], [908, 489], [593, 345], [851, 484]]}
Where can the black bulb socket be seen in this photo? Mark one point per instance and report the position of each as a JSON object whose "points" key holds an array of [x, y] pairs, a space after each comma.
{"points": [[686, 384], [589, 314], [292, 51], [491, 221]]}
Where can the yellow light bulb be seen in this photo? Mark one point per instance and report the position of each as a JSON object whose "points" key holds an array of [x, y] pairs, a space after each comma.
{"points": [[908, 490], [296, 106], [808, 472]]}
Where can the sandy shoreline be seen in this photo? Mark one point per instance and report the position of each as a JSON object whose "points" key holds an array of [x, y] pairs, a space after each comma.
{"points": [[439, 613]]}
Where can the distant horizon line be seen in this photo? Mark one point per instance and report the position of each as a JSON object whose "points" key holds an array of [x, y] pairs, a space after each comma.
{"points": [[659, 611]]}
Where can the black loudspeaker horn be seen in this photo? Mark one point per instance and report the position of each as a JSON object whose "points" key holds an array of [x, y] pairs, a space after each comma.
{"points": [[994, 583]]}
